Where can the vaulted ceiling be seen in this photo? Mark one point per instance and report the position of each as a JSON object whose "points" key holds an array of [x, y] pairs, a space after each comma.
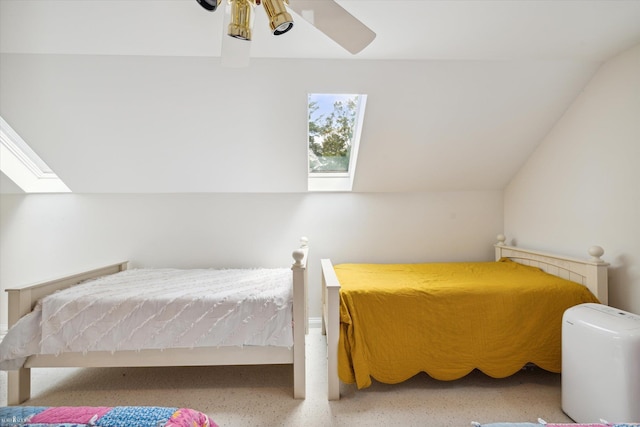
{"points": [[131, 96]]}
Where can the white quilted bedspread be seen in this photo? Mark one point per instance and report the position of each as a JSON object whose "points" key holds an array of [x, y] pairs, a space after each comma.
{"points": [[158, 309]]}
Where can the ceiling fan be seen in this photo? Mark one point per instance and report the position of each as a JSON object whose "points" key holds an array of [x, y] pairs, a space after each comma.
{"points": [[325, 15]]}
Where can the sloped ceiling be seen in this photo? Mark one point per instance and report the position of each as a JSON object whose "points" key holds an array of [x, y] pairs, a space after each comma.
{"points": [[130, 95]]}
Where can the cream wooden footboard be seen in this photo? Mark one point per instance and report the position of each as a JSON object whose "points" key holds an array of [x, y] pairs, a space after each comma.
{"points": [[591, 273], [23, 299]]}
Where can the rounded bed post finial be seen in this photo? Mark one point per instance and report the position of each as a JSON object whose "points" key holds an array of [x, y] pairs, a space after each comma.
{"points": [[596, 252], [501, 239], [298, 254]]}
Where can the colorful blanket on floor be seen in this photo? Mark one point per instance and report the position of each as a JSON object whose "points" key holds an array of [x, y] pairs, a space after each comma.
{"points": [[101, 416]]}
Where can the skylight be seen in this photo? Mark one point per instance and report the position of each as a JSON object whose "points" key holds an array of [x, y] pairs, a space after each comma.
{"points": [[335, 122], [23, 166]]}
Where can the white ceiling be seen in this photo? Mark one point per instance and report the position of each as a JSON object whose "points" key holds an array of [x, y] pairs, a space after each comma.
{"points": [[130, 96]]}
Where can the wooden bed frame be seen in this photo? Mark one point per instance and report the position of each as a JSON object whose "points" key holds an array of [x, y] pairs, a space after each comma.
{"points": [[23, 299], [591, 273]]}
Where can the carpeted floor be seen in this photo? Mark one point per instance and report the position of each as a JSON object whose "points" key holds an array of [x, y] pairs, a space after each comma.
{"points": [[262, 395]]}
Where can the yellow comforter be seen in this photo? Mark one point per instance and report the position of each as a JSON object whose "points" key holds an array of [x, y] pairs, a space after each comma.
{"points": [[447, 319]]}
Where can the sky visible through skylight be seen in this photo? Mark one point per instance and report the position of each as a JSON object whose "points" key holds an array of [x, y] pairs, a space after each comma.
{"points": [[325, 102]]}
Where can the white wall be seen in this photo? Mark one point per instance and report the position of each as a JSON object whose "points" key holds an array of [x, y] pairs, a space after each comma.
{"points": [[44, 236], [581, 187]]}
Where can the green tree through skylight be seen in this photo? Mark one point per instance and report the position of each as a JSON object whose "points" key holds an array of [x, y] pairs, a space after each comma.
{"points": [[332, 120]]}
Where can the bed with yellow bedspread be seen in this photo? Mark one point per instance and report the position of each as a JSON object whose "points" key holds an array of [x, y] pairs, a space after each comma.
{"points": [[447, 319]]}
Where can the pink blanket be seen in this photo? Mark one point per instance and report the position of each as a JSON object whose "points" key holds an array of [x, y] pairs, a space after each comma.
{"points": [[90, 416]]}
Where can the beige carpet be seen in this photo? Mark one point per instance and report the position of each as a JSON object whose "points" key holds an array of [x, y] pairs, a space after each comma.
{"points": [[262, 395]]}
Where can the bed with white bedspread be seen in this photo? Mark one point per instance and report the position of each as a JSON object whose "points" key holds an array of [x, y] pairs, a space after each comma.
{"points": [[114, 316]]}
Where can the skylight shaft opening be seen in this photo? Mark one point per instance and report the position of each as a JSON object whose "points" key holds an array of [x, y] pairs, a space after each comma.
{"points": [[24, 167], [334, 130]]}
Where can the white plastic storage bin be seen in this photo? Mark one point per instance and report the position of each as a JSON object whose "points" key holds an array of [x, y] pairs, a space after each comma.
{"points": [[600, 364]]}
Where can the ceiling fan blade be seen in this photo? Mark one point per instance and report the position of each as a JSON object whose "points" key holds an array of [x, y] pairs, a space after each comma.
{"points": [[333, 20], [234, 53]]}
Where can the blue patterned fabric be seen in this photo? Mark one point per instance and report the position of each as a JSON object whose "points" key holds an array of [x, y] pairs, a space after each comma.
{"points": [[136, 416]]}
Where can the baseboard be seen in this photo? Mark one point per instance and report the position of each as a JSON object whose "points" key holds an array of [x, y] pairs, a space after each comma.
{"points": [[315, 322]]}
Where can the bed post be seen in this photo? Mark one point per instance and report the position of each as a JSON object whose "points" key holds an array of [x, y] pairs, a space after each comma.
{"points": [[300, 318], [331, 325], [498, 246], [597, 275], [18, 386], [18, 381], [21, 302]]}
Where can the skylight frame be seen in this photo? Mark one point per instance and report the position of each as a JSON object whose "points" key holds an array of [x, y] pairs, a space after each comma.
{"points": [[339, 181], [24, 167]]}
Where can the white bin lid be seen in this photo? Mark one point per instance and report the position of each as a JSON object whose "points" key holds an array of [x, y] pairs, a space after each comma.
{"points": [[602, 317]]}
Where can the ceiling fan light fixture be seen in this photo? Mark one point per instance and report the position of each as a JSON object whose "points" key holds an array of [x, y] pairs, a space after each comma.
{"points": [[241, 19], [280, 20], [210, 5]]}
